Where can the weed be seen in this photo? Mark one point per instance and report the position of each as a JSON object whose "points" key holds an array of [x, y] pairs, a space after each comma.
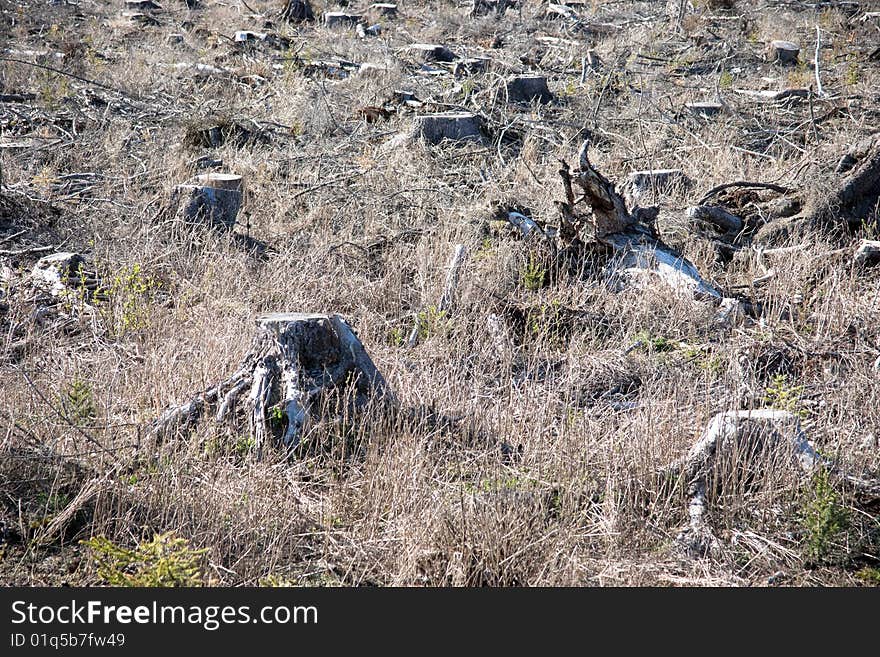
{"points": [[130, 296], [433, 321]]}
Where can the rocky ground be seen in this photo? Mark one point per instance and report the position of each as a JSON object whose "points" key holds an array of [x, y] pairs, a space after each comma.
{"points": [[545, 408]]}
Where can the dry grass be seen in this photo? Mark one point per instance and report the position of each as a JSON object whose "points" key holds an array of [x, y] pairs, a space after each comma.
{"points": [[529, 467]]}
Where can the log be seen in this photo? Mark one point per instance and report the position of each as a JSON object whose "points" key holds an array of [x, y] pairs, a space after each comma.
{"points": [[448, 126], [868, 253], [298, 364], [783, 52], [215, 199], [528, 88], [717, 217]]}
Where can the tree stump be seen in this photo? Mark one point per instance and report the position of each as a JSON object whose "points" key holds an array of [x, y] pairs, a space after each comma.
{"points": [[384, 9], [431, 52], [451, 126], [65, 273], [142, 5], [660, 180], [640, 255], [527, 88], [868, 253], [298, 365], [705, 109], [750, 436], [215, 199], [783, 52], [297, 11], [341, 19]]}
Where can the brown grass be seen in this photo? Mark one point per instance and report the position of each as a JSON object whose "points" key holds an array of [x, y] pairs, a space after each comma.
{"points": [[535, 467]]}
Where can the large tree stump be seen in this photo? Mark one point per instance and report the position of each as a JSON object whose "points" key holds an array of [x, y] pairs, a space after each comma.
{"points": [[783, 52], [298, 365], [854, 198], [451, 126], [214, 199]]}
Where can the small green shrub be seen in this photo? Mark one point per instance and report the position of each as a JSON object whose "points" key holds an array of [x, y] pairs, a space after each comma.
{"points": [[79, 402], [433, 321], [164, 561], [784, 396], [130, 295], [824, 520], [534, 275]]}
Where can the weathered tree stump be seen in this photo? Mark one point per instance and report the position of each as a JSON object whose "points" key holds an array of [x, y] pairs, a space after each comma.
{"points": [[705, 109], [384, 9], [431, 52], [298, 364], [757, 436], [142, 5], [297, 11], [783, 52], [661, 181], [868, 253], [855, 197], [65, 273], [528, 88], [640, 256], [341, 19], [448, 126], [215, 199]]}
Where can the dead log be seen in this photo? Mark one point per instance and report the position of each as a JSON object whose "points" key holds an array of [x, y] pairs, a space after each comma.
{"points": [[717, 217], [297, 365]]}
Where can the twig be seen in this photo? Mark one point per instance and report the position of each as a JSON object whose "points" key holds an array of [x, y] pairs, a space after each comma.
{"points": [[819, 91]]}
